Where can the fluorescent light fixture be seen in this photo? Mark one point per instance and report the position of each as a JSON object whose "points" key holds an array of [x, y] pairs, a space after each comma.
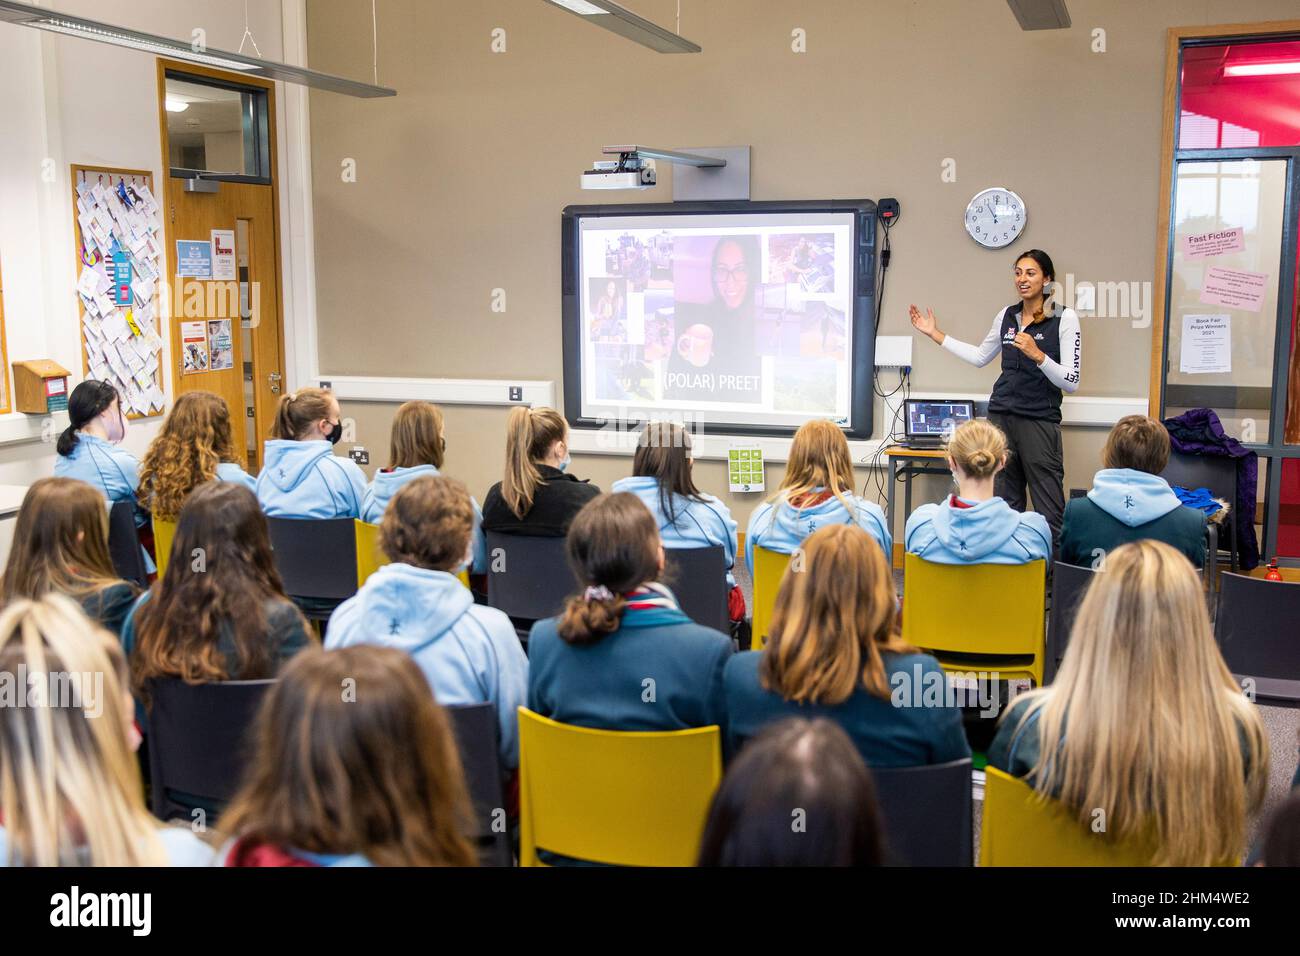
{"points": [[175, 106], [1276, 68], [24, 14], [1040, 14], [616, 19]]}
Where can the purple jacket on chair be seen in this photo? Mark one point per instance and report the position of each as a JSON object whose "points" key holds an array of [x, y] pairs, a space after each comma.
{"points": [[1199, 432]]}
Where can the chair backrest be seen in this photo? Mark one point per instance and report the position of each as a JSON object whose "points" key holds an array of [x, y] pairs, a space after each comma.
{"points": [[532, 579], [124, 544], [634, 798], [316, 557], [1020, 828], [1219, 475], [1256, 631], [198, 740], [477, 740], [164, 532], [992, 610], [1069, 582], [927, 813], [369, 556], [698, 578], [769, 568]]}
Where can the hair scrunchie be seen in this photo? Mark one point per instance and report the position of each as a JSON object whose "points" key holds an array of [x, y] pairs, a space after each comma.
{"points": [[598, 592]]}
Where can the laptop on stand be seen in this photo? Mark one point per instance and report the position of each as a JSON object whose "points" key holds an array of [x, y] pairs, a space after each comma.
{"points": [[929, 422]]}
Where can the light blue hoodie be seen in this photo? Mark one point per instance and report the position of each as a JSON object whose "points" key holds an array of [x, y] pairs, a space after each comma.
{"points": [[697, 524], [988, 532], [231, 471], [304, 479], [182, 846], [1132, 497], [385, 484], [781, 527], [113, 470], [470, 654]]}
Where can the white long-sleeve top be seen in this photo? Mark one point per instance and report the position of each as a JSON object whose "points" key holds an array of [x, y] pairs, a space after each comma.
{"points": [[1064, 374]]}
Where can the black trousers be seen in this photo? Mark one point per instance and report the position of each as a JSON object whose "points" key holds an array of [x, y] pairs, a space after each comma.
{"points": [[1035, 461]]}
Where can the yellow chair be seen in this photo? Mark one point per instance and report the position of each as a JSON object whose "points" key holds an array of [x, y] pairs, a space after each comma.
{"points": [[625, 798], [991, 611], [1020, 828], [370, 557], [769, 569], [163, 533]]}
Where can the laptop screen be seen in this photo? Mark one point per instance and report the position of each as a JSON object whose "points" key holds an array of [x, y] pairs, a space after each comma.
{"points": [[936, 418]]}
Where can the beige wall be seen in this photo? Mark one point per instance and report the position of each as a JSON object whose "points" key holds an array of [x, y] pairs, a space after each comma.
{"points": [[460, 179]]}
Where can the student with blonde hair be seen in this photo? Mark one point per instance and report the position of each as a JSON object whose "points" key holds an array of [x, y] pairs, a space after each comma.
{"points": [[60, 546], [417, 448], [470, 654], [817, 490], [194, 445], [369, 778], [1144, 722], [301, 476], [975, 526], [70, 788], [537, 496], [834, 651]]}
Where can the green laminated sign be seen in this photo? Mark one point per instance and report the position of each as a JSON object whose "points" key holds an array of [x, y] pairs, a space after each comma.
{"points": [[745, 468]]}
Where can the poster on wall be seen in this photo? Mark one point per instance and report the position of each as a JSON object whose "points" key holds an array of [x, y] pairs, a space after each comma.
{"points": [[223, 254], [194, 347], [221, 347]]}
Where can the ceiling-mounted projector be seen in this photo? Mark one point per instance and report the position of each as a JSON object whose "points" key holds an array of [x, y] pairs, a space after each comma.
{"points": [[635, 166]]}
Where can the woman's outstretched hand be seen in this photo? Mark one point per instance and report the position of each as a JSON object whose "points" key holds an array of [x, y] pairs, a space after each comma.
{"points": [[926, 324]]}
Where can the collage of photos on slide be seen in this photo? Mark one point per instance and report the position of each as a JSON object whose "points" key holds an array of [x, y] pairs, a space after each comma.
{"points": [[692, 318]]}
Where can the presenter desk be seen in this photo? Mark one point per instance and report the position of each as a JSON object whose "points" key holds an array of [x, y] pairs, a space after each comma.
{"points": [[906, 463]]}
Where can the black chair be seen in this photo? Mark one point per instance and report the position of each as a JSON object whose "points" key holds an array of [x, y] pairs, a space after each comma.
{"points": [[529, 578], [198, 743], [124, 544], [698, 579], [1219, 475], [1256, 632], [1069, 582], [477, 740], [927, 813], [317, 561]]}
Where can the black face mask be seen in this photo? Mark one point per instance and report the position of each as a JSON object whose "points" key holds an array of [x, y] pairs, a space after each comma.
{"points": [[335, 433]]}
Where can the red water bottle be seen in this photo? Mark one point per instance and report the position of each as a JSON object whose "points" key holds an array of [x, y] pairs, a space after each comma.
{"points": [[1273, 573]]}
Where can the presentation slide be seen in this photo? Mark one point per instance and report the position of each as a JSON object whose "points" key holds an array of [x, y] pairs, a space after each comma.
{"points": [[741, 319]]}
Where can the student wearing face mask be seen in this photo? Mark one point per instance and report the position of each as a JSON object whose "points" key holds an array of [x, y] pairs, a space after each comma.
{"points": [[89, 447], [301, 476]]}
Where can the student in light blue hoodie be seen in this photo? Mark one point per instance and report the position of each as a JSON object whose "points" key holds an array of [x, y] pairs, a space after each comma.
{"points": [[817, 491], [417, 448], [363, 776], [469, 653], [687, 518], [1129, 501], [975, 526], [301, 476], [89, 447]]}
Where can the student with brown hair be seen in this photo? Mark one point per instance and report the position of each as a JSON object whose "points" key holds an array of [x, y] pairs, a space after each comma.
{"points": [[219, 612], [60, 545], [1129, 500], [537, 496], [194, 445], [470, 654], [70, 790], [687, 518], [975, 526], [1144, 722], [834, 651], [301, 476], [817, 490], [354, 765], [622, 656], [796, 763], [417, 448]]}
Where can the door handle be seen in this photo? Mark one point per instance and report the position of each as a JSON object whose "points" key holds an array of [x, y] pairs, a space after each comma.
{"points": [[274, 380]]}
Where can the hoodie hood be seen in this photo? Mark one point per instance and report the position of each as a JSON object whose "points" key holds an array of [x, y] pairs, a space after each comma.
{"points": [[288, 462], [975, 532], [388, 483], [1132, 497], [407, 607], [798, 523]]}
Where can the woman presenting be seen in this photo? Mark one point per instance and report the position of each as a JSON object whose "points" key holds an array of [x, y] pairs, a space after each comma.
{"points": [[1041, 347]]}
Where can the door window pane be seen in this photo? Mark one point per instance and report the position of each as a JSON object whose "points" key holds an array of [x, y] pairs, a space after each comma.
{"points": [[215, 129], [1240, 95]]}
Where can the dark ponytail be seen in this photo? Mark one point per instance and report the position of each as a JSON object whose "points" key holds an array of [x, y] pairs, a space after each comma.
{"points": [[613, 546], [86, 403]]}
